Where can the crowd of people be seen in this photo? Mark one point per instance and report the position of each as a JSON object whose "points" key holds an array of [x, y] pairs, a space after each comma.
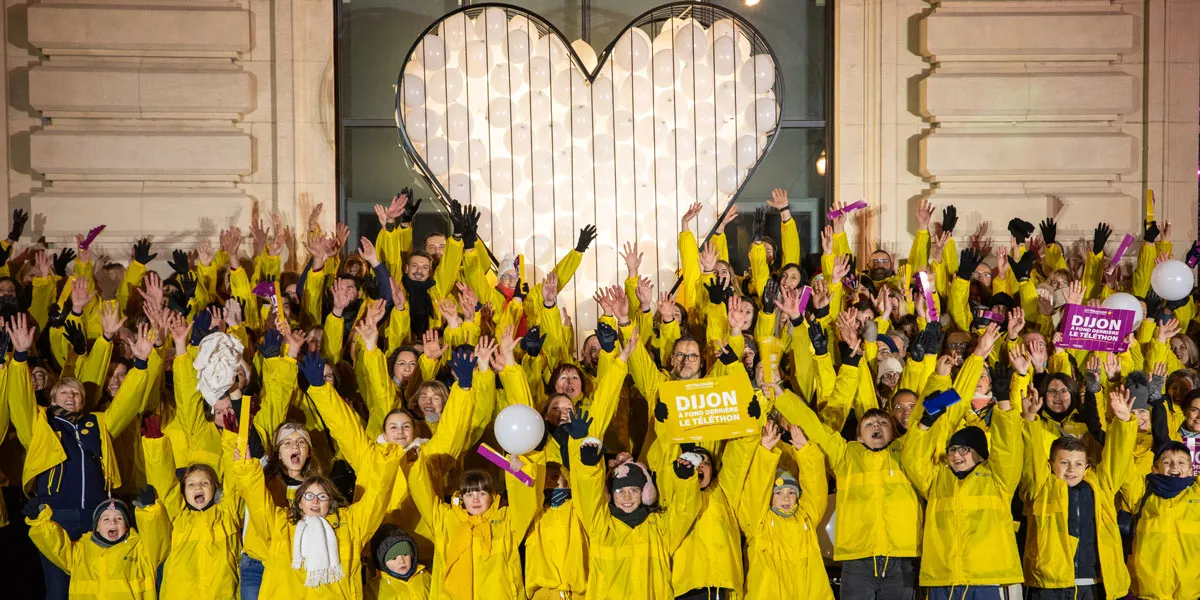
{"points": [[237, 428]]}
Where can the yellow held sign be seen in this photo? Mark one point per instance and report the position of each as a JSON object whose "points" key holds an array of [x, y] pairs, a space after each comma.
{"points": [[704, 410]]}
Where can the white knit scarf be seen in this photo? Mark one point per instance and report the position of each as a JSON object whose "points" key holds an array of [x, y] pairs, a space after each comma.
{"points": [[315, 550]]}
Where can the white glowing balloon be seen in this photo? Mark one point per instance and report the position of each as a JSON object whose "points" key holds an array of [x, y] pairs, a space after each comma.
{"points": [[459, 186], [623, 126], [664, 175], [412, 89], [696, 81], [727, 180], [437, 156], [457, 123], [1125, 301], [581, 123], [517, 46], [540, 105], [1172, 280], [699, 183], [641, 91], [454, 31], [569, 87], [684, 143], [501, 173], [542, 163], [666, 69], [632, 51], [478, 153], [415, 125], [500, 113], [691, 45], [519, 140], [476, 59], [724, 55], [587, 54], [664, 105], [445, 86], [433, 52], [604, 148], [519, 428], [602, 96], [747, 151], [761, 115], [757, 73], [500, 80], [496, 25]]}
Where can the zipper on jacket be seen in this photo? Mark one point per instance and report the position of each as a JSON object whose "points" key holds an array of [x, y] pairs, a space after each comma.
{"points": [[82, 463]]}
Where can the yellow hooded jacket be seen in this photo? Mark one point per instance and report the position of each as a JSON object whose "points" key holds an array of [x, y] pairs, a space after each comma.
{"points": [[782, 551], [1049, 558], [968, 538], [1166, 545], [125, 570], [386, 587]]}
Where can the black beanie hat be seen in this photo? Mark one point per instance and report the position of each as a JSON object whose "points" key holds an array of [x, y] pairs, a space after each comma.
{"points": [[114, 504], [394, 541], [633, 477], [971, 437], [1170, 446]]}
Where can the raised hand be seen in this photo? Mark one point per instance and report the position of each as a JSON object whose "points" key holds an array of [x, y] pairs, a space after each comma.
{"points": [[141, 251], [1121, 403], [431, 345], [987, 340], [1049, 230], [949, 219], [1020, 229], [632, 258], [771, 435], [667, 309], [20, 218], [708, 258], [1100, 238], [692, 212], [924, 214], [1031, 404], [587, 235]]}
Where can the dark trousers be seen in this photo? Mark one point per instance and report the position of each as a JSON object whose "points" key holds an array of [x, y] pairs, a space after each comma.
{"points": [[710, 593], [250, 572], [1083, 592], [965, 592], [75, 523], [879, 578]]}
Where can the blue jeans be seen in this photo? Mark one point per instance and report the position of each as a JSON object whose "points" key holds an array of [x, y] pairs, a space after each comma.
{"points": [[965, 592], [251, 576], [75, 523]]}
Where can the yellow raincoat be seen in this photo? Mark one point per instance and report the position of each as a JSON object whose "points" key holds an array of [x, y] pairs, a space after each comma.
{"points": [[353, 527], [969, 537], [782, 551], [1049, 558], [386, 587], [126, 570], [1166, 546], [626, 562]]}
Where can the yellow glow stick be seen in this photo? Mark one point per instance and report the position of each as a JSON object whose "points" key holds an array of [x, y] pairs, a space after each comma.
{"points": [[1149, 205], [243, 439], [521, 268]]}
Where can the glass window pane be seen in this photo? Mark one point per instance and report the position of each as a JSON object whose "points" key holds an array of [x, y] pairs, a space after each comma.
{"points": [[375, 170]]}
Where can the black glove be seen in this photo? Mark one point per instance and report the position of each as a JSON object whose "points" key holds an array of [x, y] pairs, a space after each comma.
{"points": [[1020, 229], [949, 218], [968, 260], [521, 290], [1001, 381], [5, 253], [607, 336], [1154, 305], [916, 350], [76, 338], [145, 497], [1022, 268], [717, 293], [57, 316], [587, 235], [62, 259], [179, 262], [1049, 230], [727, 357], [272, 344], [312, 367], [1151, 232], [590, 454], [683, 468], [929, 419], [470, 227], [933, 339], [760, 223], [410, 209], [533, 340], [456, 218], [754, 409], [141, 252], [20, 218], [770, 296], [1177, 304], [463, 366], [820, 341], [201, 326], [579, 424], [660, 411], [1103, 231], [5, 343], [32, 508]]}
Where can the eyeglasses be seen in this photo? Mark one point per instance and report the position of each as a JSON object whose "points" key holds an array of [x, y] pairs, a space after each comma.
{"points": [[955, 450], [310, 496], [1058, 392], [294, 444], [881, 262], [681, 357]]}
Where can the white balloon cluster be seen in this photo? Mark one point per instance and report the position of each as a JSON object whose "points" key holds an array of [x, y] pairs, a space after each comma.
{"points": [[679, 112]]}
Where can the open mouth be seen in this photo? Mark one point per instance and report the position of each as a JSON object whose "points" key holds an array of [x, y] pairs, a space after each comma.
{"points": [[199, 499], [877, 435], [111, 534], [294, 459]]}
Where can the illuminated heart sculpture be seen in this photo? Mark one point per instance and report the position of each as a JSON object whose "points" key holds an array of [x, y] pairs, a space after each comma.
{"points": [[497, 109]]}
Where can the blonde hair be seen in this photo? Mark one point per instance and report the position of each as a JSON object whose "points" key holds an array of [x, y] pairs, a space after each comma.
{"points": [[438, 388], [67, 382]]}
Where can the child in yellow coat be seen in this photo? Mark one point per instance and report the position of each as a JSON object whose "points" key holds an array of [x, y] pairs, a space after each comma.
{"points": [[400, 576]]}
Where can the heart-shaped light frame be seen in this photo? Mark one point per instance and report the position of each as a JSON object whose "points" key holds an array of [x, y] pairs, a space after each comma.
{"points": [[743, 56]]}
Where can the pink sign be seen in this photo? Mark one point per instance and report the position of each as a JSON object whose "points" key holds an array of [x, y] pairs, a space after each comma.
{"points": [[805, 295], [500, 461], [927, 288], [845, 210], [1122, 248], [1095, 328]]}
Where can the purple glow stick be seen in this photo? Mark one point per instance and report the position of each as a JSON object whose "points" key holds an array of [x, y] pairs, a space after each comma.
{"points": [[500, 461], [805, 295], [849, 208], [91, 237], [928, 289], [1122, 248]]}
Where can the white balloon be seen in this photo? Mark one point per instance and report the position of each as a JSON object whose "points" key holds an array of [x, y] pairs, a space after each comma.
{"points": [[501, 79], [542, 163], [691, 45], [433, 52], [727, 180], [445, 86], [500, 113], [454, 31], [437, 156], [747, 151], [757, 73], [476, 59], [581, 123], [478, 153], [519, 428], [412, 89], [518, 46], [539, 72], [623, 126], [632, 51], [696, 81], [1172, 280], [699, 183], [602, 96], [414, 124], [640, 90], [724, 59], [457, 122], [519, 140], [570, 87], [540, 105], [666, 69], [500, 171], [1125, 301], [664, 175], [664, 105], [603, 149], [459, 187], [760, 116], [496, 25], [587, 54]]}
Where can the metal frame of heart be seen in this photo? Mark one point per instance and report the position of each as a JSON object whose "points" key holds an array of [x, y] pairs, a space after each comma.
{"points": [[740, 80]]}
